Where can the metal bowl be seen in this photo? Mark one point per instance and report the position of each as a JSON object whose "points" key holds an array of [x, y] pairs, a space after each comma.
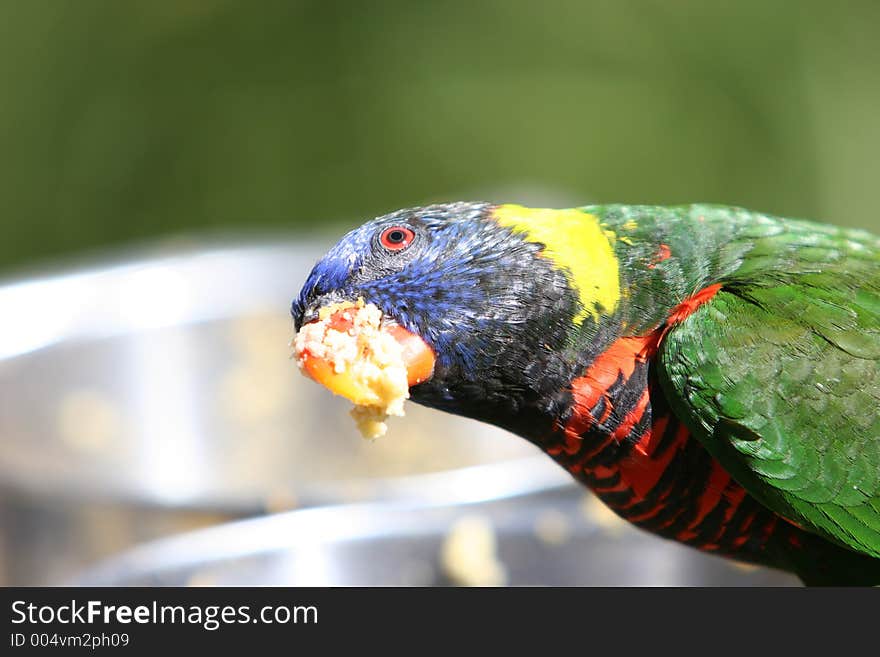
{"points": [[154, 395], [557, 537]]}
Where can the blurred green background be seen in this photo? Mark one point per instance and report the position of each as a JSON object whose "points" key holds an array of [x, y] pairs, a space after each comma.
{"points": [[121, 121]]}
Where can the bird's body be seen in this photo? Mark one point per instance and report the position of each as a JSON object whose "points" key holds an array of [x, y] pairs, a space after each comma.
{"points": [[713, 374]]}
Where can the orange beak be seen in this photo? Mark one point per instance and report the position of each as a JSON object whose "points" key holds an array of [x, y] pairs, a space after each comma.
{"points": [[418, 359]]}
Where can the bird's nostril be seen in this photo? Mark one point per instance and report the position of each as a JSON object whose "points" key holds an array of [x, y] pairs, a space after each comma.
{"points": [[296, 311], [308, 307], [310, 315], [302, 316]]}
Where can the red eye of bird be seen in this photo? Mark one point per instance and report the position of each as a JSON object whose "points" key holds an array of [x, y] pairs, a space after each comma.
{"points": [[397, 238]]}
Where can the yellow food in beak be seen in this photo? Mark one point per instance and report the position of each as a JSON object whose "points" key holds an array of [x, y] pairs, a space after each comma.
{"points": [[350, 351]]}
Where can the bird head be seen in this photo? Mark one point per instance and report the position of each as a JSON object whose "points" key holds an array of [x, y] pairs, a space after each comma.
{"points": [[497, 295]]}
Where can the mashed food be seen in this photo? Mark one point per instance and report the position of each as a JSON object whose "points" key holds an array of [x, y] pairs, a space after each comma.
{"points": [[469, 554], [347, 351]]}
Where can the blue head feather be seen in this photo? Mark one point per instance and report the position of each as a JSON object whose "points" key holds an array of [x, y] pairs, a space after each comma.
{"points": [[473, 290], [451, 278]]}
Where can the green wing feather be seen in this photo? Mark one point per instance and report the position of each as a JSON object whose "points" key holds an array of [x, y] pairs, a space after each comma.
{"points": [[779, 377]]}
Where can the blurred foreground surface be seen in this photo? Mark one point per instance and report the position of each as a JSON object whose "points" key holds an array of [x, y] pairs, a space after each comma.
{"points": [[559, 537]]}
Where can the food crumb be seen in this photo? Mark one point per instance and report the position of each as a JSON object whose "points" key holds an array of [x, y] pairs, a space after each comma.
{"points": [[596, 511], [88, 420], [280, 499], [552, 527], [202, 579], [743, 566], [349, 337], [370, 421], [469, 553]]}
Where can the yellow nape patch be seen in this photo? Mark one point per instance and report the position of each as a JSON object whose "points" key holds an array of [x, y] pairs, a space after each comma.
{"points": [[576, 242]]}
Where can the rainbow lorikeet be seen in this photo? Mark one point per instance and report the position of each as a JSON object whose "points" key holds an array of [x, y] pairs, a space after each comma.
{"points": [[711, 373]]}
